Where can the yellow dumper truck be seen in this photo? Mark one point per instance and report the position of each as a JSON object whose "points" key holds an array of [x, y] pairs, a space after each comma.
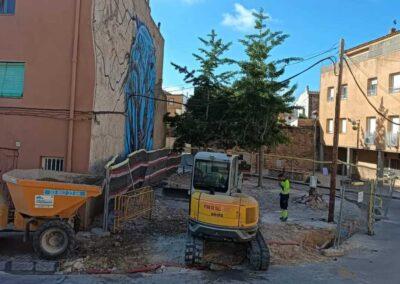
{"points": [[45, 203]]}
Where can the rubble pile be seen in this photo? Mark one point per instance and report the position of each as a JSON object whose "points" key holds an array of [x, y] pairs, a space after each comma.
{"points": [[294, 244]]}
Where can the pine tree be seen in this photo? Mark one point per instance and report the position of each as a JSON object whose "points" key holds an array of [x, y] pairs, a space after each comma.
{"points": [[261, 97], [204, 122]]}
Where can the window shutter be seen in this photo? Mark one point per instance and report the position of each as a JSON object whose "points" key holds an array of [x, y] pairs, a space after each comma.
{"points": [[12, 79]]}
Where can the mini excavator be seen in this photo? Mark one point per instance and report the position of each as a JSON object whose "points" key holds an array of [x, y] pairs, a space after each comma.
{"points": [[220, 212]]}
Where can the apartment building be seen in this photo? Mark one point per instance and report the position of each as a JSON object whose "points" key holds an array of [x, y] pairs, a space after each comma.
{"points": [[307, 104], [370, 108], [175, 105], [78, 80]]}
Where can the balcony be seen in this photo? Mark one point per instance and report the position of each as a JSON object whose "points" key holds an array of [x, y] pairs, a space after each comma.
{"points": [[392, 139], [369, 138]]}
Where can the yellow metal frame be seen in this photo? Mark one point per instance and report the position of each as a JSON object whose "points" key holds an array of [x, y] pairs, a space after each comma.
{"points": [[132, 205]]}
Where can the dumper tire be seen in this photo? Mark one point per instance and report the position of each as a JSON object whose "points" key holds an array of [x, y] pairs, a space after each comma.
{"points": [[63, 230], [258, 253]]}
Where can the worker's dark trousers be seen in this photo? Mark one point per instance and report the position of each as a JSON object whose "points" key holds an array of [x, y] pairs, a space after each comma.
{"points": [[284, 202]]}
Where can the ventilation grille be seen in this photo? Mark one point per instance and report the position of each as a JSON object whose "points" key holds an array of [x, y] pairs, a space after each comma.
{"points": [[53, 164]]}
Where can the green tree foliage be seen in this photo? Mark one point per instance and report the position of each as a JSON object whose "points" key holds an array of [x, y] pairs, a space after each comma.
{"points": [[261, 96], [245, 113], [204, 122]]}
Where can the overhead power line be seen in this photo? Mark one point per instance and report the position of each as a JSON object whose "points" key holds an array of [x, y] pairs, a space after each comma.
{"points": [[331, 58], [334, 47], [366, 97], [367, 76]]}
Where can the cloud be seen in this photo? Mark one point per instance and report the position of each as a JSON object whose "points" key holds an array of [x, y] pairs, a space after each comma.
{"points": [[242, 20]]}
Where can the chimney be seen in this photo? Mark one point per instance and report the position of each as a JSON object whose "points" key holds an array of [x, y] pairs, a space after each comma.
{"points": [[392, 31]]}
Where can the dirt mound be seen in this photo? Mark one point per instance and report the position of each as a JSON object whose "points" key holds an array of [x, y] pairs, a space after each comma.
{"points": [[293, 244]]}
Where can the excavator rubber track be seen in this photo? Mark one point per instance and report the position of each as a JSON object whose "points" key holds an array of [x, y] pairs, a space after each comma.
{"points": [[194, 250], [258, 253]]}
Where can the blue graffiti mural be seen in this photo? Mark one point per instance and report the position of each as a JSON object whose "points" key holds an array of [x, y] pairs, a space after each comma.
{"points": [[139, 92]]}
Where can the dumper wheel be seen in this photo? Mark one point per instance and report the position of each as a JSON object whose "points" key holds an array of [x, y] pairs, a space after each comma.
{"points": [[258, 253], [54, 239]]}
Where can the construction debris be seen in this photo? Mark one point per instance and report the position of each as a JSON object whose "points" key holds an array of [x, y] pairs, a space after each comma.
{"points": [[333, 252], [161, 240]]}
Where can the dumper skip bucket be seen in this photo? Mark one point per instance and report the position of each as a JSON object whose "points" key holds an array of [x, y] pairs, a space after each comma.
{"points": [[47, 194]]}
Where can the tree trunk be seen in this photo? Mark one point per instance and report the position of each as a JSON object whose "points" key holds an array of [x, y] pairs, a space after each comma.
{"points": [[260, 166]]}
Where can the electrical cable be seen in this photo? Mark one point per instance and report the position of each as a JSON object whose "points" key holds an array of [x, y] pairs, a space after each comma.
{"points": [[63, 113], [366, 97], [369, 77], [331, 58], [334, 47]]}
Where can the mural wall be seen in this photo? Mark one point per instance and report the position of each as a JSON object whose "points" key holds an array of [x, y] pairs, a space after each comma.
{"points": [[128, 49], [139, 92]]}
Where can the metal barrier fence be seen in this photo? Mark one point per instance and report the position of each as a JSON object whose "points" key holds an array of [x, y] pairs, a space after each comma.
{"points": [[358, 185], [141, 168], [132, 205]]}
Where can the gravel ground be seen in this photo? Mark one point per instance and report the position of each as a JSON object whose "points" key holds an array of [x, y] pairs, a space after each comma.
{"points": [[162, 239]]}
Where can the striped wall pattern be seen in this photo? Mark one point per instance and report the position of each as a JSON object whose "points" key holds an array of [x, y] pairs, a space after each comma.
{"points": [[141, 168]]}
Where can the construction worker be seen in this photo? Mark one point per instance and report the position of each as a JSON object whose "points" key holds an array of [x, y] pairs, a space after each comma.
{"points": [[284, 196]]}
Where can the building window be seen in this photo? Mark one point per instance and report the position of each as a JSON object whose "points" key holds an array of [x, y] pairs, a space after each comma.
{"points": [[344, 92], [53, 164], [331, 94], [370, 133], [392, 138], [7, 7], [393, 164], [329, 125], [372, 87], [343, 125], [12, 79], [371, 125], [395, 83], [171, 102]]}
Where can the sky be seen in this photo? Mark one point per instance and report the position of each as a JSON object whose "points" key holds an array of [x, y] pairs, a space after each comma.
{"points": [[314, 26]]}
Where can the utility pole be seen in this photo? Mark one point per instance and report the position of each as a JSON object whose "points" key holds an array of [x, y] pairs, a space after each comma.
{"points": [[332, 193]]}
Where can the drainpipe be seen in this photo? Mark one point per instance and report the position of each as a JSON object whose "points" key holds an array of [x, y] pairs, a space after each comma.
{"points": [[73, 87]]}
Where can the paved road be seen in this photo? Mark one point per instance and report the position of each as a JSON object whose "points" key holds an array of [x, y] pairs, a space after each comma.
{"points": [[376, 261]]}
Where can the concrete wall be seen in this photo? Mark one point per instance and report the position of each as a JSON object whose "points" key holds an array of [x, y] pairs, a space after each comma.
{"points": [[41, 33], [378, 59], [115, 26]]}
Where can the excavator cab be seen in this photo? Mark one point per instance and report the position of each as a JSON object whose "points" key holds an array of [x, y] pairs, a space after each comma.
{"points": [[219, 211]]}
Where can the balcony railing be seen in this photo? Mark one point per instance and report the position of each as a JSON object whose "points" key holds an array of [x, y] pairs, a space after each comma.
{"points": [[392, 139], [369, 138]]}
